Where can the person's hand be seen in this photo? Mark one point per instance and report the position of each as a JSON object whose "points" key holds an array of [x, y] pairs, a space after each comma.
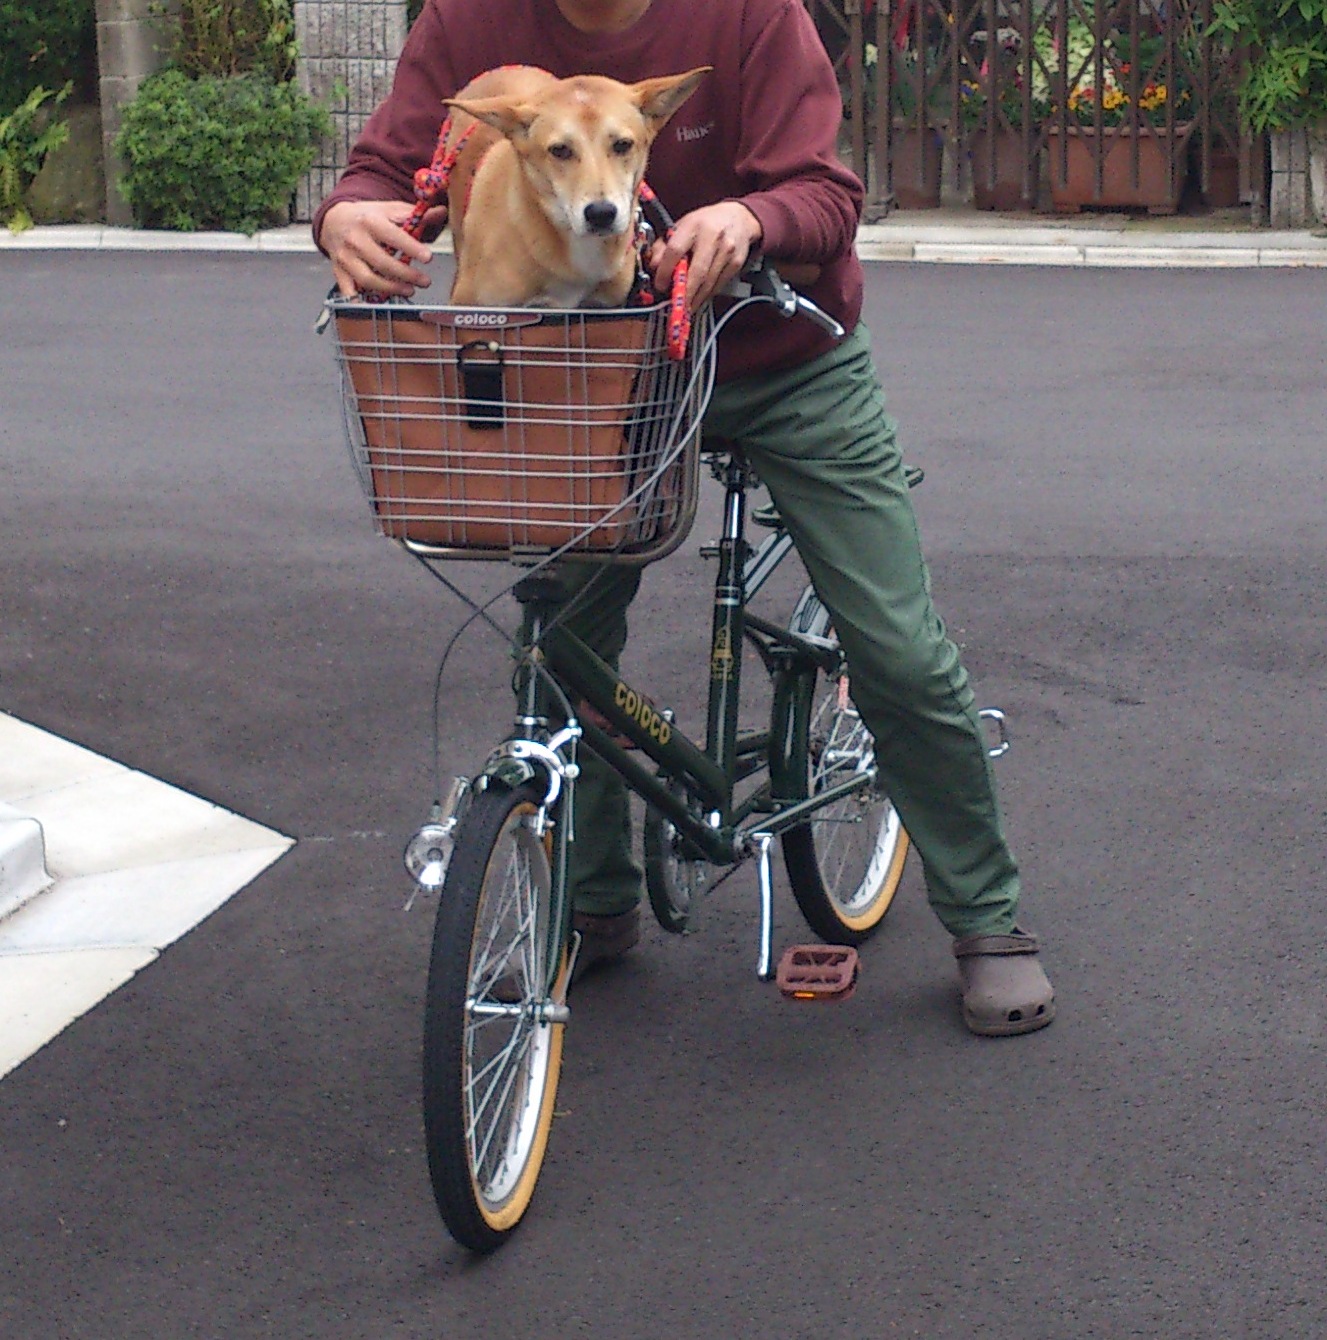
{"points": [[716, 241], [362, 239]]}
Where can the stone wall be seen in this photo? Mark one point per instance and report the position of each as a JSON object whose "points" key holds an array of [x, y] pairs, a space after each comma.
{"points": [[131, 44], [1299, 177], [348, 51]]}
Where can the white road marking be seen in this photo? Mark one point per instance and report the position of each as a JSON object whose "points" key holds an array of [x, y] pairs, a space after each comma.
{"points": [[135, 863]]}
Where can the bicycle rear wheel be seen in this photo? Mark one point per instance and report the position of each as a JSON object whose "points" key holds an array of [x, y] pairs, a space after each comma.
{"points": [[845, 864], [492, 1058]]}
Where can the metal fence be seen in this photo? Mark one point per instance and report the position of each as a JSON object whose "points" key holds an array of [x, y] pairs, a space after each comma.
{"points": [[1053, 105]]}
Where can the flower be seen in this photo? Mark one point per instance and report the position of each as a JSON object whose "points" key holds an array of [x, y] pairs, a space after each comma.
{"points": [[1104, 88], [1009, 102], [1002, 71]]}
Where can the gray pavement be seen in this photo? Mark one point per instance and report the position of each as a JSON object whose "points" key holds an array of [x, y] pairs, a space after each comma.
{"points": [[1123, 510]]}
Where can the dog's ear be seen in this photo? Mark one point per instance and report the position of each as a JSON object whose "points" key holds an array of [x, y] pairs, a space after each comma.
{"points": [[659, 98], [506, 115]]}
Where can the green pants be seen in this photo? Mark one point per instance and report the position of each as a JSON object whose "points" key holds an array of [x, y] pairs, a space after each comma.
{"points": [[820, 439]]}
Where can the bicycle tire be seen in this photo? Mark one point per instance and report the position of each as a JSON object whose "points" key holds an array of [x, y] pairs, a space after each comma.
{"points": [[490, 1079], [846, 863]]}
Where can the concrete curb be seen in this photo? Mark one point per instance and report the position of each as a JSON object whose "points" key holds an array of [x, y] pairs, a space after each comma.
{"points": [[23, 873], [1106, 244], [101, 868], [997, 241]]}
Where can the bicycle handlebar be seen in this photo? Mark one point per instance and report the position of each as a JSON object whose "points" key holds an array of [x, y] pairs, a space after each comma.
{"points": [[762, 280], [759, 280]]}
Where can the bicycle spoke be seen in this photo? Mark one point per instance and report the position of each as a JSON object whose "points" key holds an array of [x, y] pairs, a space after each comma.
{"points": [[519, 901], [520, 1041], [499, 917]]}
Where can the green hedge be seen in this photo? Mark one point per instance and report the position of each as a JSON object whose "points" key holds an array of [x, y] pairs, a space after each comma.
{"points": [[216, 152], [1284, 71], [235, 37], [46, 43]]}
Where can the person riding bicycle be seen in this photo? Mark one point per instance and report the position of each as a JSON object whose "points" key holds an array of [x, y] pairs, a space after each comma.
{"points": [[749, 165]]}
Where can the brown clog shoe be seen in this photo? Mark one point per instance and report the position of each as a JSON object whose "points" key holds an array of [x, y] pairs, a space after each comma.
{"points": [[1005, 989]]}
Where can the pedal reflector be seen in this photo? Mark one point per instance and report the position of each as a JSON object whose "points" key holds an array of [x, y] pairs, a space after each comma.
{"points": [[818, 972]]}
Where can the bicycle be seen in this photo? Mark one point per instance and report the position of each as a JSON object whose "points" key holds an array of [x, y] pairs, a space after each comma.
{"points": [[421, 407]]}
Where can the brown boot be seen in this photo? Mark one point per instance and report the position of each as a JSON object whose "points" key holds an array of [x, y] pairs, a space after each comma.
{"points": [[1005, 990]]}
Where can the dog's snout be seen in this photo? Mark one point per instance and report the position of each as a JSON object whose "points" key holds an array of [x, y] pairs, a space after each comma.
{"points": [[600, 216]]}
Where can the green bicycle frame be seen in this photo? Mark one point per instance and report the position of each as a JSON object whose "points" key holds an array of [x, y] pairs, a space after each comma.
{"points": [[694, 786]]}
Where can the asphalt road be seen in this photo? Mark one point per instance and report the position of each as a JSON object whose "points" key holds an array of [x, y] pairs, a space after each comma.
{"points": [[1124, 515]]}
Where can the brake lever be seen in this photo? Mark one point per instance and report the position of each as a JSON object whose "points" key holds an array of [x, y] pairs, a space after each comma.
{"points": [[762, 280]]}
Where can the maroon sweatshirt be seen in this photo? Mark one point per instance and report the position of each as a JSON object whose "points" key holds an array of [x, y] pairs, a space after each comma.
{"points": [[761, 128]]}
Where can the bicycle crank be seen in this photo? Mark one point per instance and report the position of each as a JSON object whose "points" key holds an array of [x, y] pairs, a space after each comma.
{"points": [[805, 972]]}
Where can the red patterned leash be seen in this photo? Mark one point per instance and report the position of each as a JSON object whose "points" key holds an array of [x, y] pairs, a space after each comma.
{"points": [[430, 186], [679, 319], [431, 182]]}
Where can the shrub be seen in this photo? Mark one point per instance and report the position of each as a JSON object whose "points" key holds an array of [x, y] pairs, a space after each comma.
{"points": [[45, 43], [216, 152], [221, 37], [1284, 80], [26, 137]]}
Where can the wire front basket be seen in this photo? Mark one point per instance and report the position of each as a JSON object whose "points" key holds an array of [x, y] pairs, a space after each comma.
{"points": [[513, 432]]}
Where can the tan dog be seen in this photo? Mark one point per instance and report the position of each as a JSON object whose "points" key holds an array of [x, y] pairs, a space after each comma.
{"points": [[542, 200]]}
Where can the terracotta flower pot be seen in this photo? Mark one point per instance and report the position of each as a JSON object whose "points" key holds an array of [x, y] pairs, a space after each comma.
{"points": [[1073, 170], [917, 156], [1222, 180], [1003, 187]]}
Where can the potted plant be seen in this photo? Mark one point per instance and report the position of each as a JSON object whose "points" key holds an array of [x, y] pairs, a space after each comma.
{"points": [[1118, 139], [1002, 113], [1283, 93], [916, 144]]}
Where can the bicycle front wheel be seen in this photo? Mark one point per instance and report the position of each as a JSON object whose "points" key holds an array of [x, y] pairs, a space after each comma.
{"points": [[845, 864], [492, 1058]]}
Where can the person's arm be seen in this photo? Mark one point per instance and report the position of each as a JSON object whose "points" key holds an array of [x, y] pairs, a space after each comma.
{"points": [[803, 205], [808, 203], [358, 224]]}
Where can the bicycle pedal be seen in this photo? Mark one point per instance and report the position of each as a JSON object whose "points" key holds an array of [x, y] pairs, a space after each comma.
{"points": [[818, 972]]}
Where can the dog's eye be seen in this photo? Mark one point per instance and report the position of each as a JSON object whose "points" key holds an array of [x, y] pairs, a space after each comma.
{"points": [[563, 152], [623, 147]]}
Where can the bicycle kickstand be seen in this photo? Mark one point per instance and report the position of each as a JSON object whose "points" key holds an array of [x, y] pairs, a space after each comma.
{"points": [[805, 972]]}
